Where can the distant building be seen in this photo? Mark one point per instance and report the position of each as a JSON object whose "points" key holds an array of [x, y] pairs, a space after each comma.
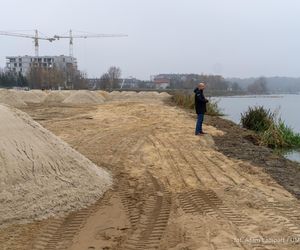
{"points": [[22, 64], [130, 83], [162, 81], [93, 83]]}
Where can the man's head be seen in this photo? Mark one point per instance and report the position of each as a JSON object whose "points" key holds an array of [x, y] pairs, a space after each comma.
{"points": [[201, 85]]}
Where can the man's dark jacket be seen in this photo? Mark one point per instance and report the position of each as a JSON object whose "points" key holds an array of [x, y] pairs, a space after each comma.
{"points": [[200, 101]]}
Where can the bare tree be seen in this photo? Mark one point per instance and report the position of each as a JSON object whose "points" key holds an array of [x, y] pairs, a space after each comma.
{"points": [[46, 78], [80, 80], [114, 74], [104, 82], [34, 76]]}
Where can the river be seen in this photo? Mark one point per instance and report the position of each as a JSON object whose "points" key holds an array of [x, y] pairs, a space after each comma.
{"points": [[286, 105]]}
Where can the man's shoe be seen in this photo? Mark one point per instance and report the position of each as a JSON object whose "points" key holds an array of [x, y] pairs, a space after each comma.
{"points": [[203, 133]]}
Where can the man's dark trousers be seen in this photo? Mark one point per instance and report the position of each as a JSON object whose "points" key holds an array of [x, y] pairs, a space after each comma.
{"points": [[200, 118]]}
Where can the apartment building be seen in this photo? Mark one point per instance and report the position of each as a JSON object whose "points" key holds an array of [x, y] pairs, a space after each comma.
{"points": [[22, 64]]}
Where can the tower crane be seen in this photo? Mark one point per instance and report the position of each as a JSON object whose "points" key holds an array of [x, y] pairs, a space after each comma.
{"points": [[71, 37], [35, 37]]}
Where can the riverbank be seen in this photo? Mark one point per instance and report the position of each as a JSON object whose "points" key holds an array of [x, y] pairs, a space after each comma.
{"points": [[242, 144], [285, 106]]}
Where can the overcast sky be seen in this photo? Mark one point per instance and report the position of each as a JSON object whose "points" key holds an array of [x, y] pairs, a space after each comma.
{"points": [[230, 37]]}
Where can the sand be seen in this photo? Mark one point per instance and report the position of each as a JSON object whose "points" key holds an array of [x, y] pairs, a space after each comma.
{"points": [[143, 95], [171, 184], [11, 98], [102, 93], [56, 96], [20, 98], [32, 96], [40, 175], [174, 190], [84, 97]]}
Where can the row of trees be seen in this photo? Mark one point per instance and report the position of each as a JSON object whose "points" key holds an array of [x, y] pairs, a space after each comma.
{"points": [[70, 78], [216, 83], [54, 78], [189, 81], [259, 86], [10, 79], [45, 78]]}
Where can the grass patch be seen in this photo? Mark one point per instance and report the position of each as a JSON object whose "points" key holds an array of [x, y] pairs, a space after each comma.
{"points": [[188, 101], [272, 131], [184, 100], [213, 108], [290, 137]]}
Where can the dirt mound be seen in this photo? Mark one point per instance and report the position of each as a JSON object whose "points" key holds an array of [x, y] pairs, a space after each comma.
{"points": [[11, 98], [19, 98], [149, 93], [32, 96], [84, 97], [40, 175], [164, 95], [115, 93], [56, 96], [143, 95], [102, 93]]}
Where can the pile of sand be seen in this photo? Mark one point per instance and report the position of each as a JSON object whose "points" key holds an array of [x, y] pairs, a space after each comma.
{"points": [[40, 175], [32, 96], [164, 95], [143, 95], [149, 94], [102, 93], [114, 93], [19, 98], [56, 96], [11, 98], [84, 97]]}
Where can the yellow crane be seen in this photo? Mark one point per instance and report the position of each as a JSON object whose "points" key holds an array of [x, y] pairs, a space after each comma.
{"points": [[36, 37], [84, 36]]}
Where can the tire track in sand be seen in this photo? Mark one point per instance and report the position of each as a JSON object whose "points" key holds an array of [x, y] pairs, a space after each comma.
{"points": [[150, 230], [204, 200], [59, 233]]}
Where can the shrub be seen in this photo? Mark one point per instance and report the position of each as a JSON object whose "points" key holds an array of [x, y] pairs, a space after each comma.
{"points": [[257, 118], [272, 131]]}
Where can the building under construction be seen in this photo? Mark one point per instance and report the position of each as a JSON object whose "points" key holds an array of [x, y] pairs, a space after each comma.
{"points": [[64, 64], [22, 64]]}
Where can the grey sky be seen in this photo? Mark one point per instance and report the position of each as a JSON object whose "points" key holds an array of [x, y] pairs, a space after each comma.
{"points": [[229, 37]]}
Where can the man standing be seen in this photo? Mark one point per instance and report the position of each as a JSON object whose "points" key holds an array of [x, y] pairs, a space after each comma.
{"points": [[200, 106]]}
